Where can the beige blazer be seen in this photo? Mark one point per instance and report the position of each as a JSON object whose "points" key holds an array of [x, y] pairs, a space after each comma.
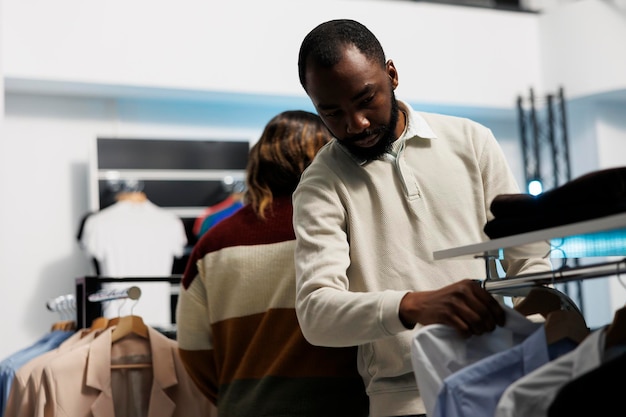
{"points": [[27, 380], [81, 383]]}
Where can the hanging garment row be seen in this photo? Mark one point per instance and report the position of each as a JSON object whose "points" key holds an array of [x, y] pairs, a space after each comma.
{"points": [[518, 370], [533, 366], [116, 367], [527, 367], [65, 306]]}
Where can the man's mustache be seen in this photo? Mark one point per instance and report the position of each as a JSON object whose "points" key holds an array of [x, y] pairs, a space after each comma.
{"points": [[364, 134]]}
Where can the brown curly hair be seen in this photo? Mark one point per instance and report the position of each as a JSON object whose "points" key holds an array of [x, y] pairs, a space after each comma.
{"points": [[287, 146]]}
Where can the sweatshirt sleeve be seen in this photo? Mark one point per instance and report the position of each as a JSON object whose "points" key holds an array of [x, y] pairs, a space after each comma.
{"points": [[195, 338], [330, 312]]}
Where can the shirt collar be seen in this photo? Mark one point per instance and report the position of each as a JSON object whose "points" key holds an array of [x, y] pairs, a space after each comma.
{"points": [[417, 126]]}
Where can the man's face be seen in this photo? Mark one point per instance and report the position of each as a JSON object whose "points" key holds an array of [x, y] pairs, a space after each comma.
{"points": [[355, 99]]}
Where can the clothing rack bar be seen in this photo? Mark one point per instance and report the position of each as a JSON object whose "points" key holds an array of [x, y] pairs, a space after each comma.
{"points": [[87, 311], [506, 286], [115, 294]]}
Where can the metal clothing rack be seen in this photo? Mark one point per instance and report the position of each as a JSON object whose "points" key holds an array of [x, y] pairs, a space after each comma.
{"points": [[605, 236], [89, 294], [521, 285], [507, 285], [132, 293]]}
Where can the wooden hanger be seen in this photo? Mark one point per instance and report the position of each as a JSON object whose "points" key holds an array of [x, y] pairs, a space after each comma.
{"points": [[129, 325], [125, 326], [65, 325], [132, 196], [133, 293], [99, 323], [616, 331], [113, 322], [565, 324]]}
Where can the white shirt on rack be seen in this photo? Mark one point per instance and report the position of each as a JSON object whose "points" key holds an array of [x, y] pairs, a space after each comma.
{"points": [[136, 239]]}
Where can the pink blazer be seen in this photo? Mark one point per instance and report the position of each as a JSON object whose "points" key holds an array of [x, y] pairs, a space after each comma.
{"points": [[81, 383]]}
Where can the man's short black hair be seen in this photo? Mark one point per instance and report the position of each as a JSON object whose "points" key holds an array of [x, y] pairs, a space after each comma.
{"points": [[324, 44]]}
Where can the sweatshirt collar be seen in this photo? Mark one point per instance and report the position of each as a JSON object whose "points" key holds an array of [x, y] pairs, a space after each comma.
{"points": [[416, 124]]}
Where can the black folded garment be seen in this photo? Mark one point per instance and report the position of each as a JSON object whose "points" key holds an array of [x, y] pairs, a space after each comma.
{"points": [[515, 205], [596, 194], [606, 186], [507, 226]]}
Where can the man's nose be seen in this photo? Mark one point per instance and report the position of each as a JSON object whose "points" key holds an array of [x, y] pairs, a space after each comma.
{"points": [[356, 124]]}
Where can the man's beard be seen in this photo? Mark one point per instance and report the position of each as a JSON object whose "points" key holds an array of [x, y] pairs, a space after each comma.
{"points": [[384, 143]]}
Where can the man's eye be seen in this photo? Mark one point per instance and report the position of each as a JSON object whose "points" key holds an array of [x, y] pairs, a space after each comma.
{"points": [[368, 100]]}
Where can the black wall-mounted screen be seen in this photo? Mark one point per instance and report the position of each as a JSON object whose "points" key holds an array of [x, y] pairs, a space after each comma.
{"points": [[161, 154]]}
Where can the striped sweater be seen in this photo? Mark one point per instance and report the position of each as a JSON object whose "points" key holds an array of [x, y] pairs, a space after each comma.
{"points": [[238, 333]]}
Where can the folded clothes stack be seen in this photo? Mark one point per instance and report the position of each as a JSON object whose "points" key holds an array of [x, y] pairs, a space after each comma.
{"points": [[593, 195]]}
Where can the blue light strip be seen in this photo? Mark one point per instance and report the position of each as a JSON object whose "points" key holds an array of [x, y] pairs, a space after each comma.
{"points": [[609, 243]]}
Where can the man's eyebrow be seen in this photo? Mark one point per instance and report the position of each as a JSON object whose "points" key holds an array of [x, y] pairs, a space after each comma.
{"points": [[367, 89], [326, 107]]}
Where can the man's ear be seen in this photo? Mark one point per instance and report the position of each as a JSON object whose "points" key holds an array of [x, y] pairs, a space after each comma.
{"points": [[392, 72]]}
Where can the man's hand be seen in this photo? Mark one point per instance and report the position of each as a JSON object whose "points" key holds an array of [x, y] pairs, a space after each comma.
{"points": [[464, 305]]}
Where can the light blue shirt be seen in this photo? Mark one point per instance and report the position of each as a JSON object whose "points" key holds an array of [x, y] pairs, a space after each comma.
{"points": [[476, 389], [438, 351], [11, 364]]}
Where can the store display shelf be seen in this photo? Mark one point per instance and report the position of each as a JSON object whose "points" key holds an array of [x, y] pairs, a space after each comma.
{"points": [[604, 236]]}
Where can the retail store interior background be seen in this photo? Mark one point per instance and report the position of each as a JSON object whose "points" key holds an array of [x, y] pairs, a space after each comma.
{"points": [[546, 77]]}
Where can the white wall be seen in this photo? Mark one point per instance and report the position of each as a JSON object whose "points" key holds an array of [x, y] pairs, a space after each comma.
{"points": [[582, 47], [4, 272], [444, 54], [43, 174], [611, 125], [6, 286]]}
